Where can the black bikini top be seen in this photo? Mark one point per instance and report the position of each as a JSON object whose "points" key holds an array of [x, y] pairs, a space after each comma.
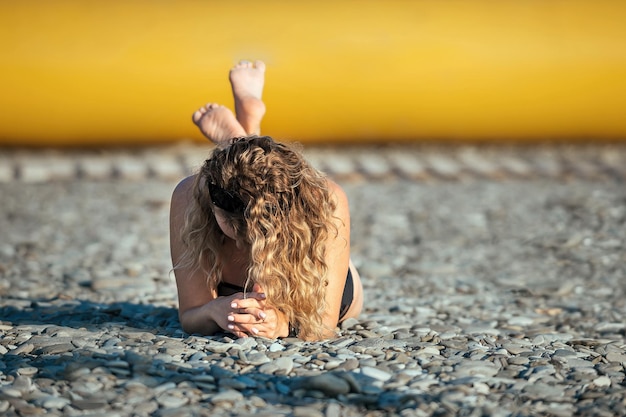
{"points": [[226, 288]]}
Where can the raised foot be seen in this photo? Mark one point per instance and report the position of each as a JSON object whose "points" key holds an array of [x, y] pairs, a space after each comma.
{"points": [[247, 80], [217, 123]]}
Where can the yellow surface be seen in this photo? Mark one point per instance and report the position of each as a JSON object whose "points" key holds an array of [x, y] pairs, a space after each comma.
{"points": [[86, 72]]}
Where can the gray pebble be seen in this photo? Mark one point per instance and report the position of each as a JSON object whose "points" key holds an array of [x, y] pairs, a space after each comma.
{"points": [[170, 400], [52, 402], [227, 396], [257, 358], [329, 384], [375, 373]]}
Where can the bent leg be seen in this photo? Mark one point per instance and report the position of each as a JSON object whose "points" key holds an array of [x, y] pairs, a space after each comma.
{"points": [[247, 80], [218, 124]]}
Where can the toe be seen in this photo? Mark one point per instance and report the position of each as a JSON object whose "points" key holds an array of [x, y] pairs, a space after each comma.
{"points": [[260, 65], [197, 115]]}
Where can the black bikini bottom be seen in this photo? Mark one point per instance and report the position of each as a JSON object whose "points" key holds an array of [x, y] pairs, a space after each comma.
{"points": [[347, 297], [225, 289]]}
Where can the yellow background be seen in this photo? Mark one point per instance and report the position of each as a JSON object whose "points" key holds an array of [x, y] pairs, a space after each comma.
{"points": [[83, 72]]}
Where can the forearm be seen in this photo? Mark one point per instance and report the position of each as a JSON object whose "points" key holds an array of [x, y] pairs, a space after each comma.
{"points": [[199, 320]]}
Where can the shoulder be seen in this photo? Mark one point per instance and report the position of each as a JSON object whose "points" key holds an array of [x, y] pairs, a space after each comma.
{"points": [[340, 199], [184, 189], [181, 198], [337, 193]]}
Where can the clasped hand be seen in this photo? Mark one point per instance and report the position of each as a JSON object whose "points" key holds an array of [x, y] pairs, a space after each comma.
{"points": [[252, 316]]}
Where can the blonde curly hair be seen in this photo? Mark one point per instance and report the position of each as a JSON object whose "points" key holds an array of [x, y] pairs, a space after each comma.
{"points": [[286, 220]]}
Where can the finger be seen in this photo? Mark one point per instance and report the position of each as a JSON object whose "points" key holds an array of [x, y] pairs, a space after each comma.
{"points": [[243, 330], [257, 295], [259, 314], [235, 329], [250, 302], [255, 316], [251, 330]]}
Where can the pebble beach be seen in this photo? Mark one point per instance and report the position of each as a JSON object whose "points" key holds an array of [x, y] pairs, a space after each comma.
{"points": [[494, 278]]}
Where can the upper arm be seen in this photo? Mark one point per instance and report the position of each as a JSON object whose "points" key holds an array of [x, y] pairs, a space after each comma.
{"points": [[337, 255], [190, 282]]}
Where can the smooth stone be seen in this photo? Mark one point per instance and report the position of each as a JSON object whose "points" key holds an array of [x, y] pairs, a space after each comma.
{"points": [[515, 349], [268, 368], [376, 373], [246, 343], [138, 336], [610, 327], [616, 357], [257, 359], [248, 381], [57, 348], [602, 381], [306, 412], [112, 342], [332, 364], [146, 407], [163, 388], [342, 342], [329, 384], [24, 348], [118, 364], [11, 392], [428, 351], [24, 384], [475, 368], [548, 338], [162, 357], [518, 360], [87, 388], [577, 363], [282, 388], [171, 400], [333, 410], [521, 321], [28, 371], [198, 356], [564, 353], [480, 329], [55, 402], [368, 334], [218, 347], [541, 390], [349, 365], [203, 378], [368, 362], [234, 383], [284, 365], [227, 396], [349, 377], [276, 347], [85, 405]]}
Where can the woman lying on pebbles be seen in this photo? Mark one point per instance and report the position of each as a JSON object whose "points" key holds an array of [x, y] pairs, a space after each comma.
{"points": [[260, 240]]}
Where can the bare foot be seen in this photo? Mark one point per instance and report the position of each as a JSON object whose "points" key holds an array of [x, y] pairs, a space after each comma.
{"points": [[247, 79], [218, 124]]}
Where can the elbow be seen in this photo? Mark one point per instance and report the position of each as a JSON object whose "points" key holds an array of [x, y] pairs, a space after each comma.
{"points": [[192, 324], [184, 324]]}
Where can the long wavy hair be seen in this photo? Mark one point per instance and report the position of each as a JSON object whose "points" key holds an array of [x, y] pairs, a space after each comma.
{"points": [[286, 221]]}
